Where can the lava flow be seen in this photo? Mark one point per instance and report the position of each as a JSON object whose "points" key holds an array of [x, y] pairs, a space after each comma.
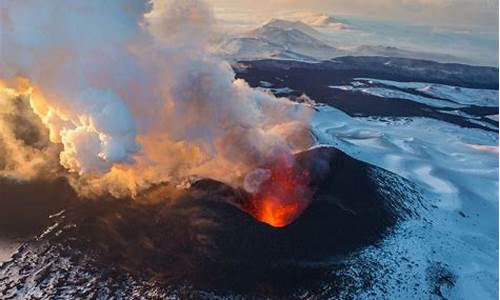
{"points": [[282, 196]]}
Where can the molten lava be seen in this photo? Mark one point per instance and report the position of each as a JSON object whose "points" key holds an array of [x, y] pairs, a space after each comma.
{"points": [[282, 197]]}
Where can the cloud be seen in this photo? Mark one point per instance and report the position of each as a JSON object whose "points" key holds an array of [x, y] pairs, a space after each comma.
{"points": [[25, 150], [132, 95]]}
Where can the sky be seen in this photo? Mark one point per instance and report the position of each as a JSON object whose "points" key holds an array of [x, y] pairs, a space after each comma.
{"points": [[456, 13]]}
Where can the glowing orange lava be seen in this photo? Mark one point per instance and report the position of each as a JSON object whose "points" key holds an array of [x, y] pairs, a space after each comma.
{"points": [[275, 212], [282, 197]]}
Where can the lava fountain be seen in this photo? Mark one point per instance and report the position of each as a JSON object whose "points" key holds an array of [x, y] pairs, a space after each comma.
{"points": [[279, 194]]}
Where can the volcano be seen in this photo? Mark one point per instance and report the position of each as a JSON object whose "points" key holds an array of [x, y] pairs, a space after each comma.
{"points": [[169, 239]]}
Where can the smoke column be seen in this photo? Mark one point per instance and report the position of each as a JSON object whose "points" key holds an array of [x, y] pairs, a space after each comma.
{"points": [[131, 95]]}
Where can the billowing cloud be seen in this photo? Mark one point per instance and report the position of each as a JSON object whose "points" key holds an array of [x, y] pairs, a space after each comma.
{"points": [[131, 95]]}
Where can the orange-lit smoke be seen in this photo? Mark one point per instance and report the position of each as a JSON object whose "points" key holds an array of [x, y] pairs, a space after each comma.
{"points": [[131, 95]]}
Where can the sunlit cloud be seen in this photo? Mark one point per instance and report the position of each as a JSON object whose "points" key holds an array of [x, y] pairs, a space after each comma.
{"points": [[461, 13]]}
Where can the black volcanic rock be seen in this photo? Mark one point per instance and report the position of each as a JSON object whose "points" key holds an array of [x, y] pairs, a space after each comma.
{"points": [[200, 239], [293, 79], [26, 206], [391, 68]]}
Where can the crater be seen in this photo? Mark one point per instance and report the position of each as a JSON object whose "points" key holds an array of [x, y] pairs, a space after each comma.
{"points": [[199, 237]]}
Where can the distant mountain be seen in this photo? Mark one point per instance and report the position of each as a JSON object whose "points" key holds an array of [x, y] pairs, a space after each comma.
{"points": [[286, 25], [295, 40], [279, 39]]}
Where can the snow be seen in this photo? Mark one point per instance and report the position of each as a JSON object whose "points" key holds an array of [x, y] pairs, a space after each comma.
{"points": [[436, 95], [457, 170], [265, 84], [284, 90], [466, 96], [298, 40], [493, 117], [391, 94], [474, 46]]}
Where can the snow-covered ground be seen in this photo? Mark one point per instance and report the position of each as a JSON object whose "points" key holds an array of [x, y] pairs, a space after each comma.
{"points": [[457, 169], [461, 95], [396, 94], [437, 95]]}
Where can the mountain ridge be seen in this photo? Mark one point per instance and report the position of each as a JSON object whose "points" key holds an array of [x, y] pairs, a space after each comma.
{"points": [[285, 39]]}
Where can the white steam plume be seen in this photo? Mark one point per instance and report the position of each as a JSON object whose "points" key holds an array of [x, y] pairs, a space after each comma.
{"points": [[76, 52], [133, 95]]}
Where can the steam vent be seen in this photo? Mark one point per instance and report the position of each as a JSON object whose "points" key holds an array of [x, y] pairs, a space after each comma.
{"points": [[200, 242]]}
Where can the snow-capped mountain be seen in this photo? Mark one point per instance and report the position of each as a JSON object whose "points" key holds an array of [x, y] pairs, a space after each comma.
{"points": [[285, 39], [287, 25], [279, 39]]}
